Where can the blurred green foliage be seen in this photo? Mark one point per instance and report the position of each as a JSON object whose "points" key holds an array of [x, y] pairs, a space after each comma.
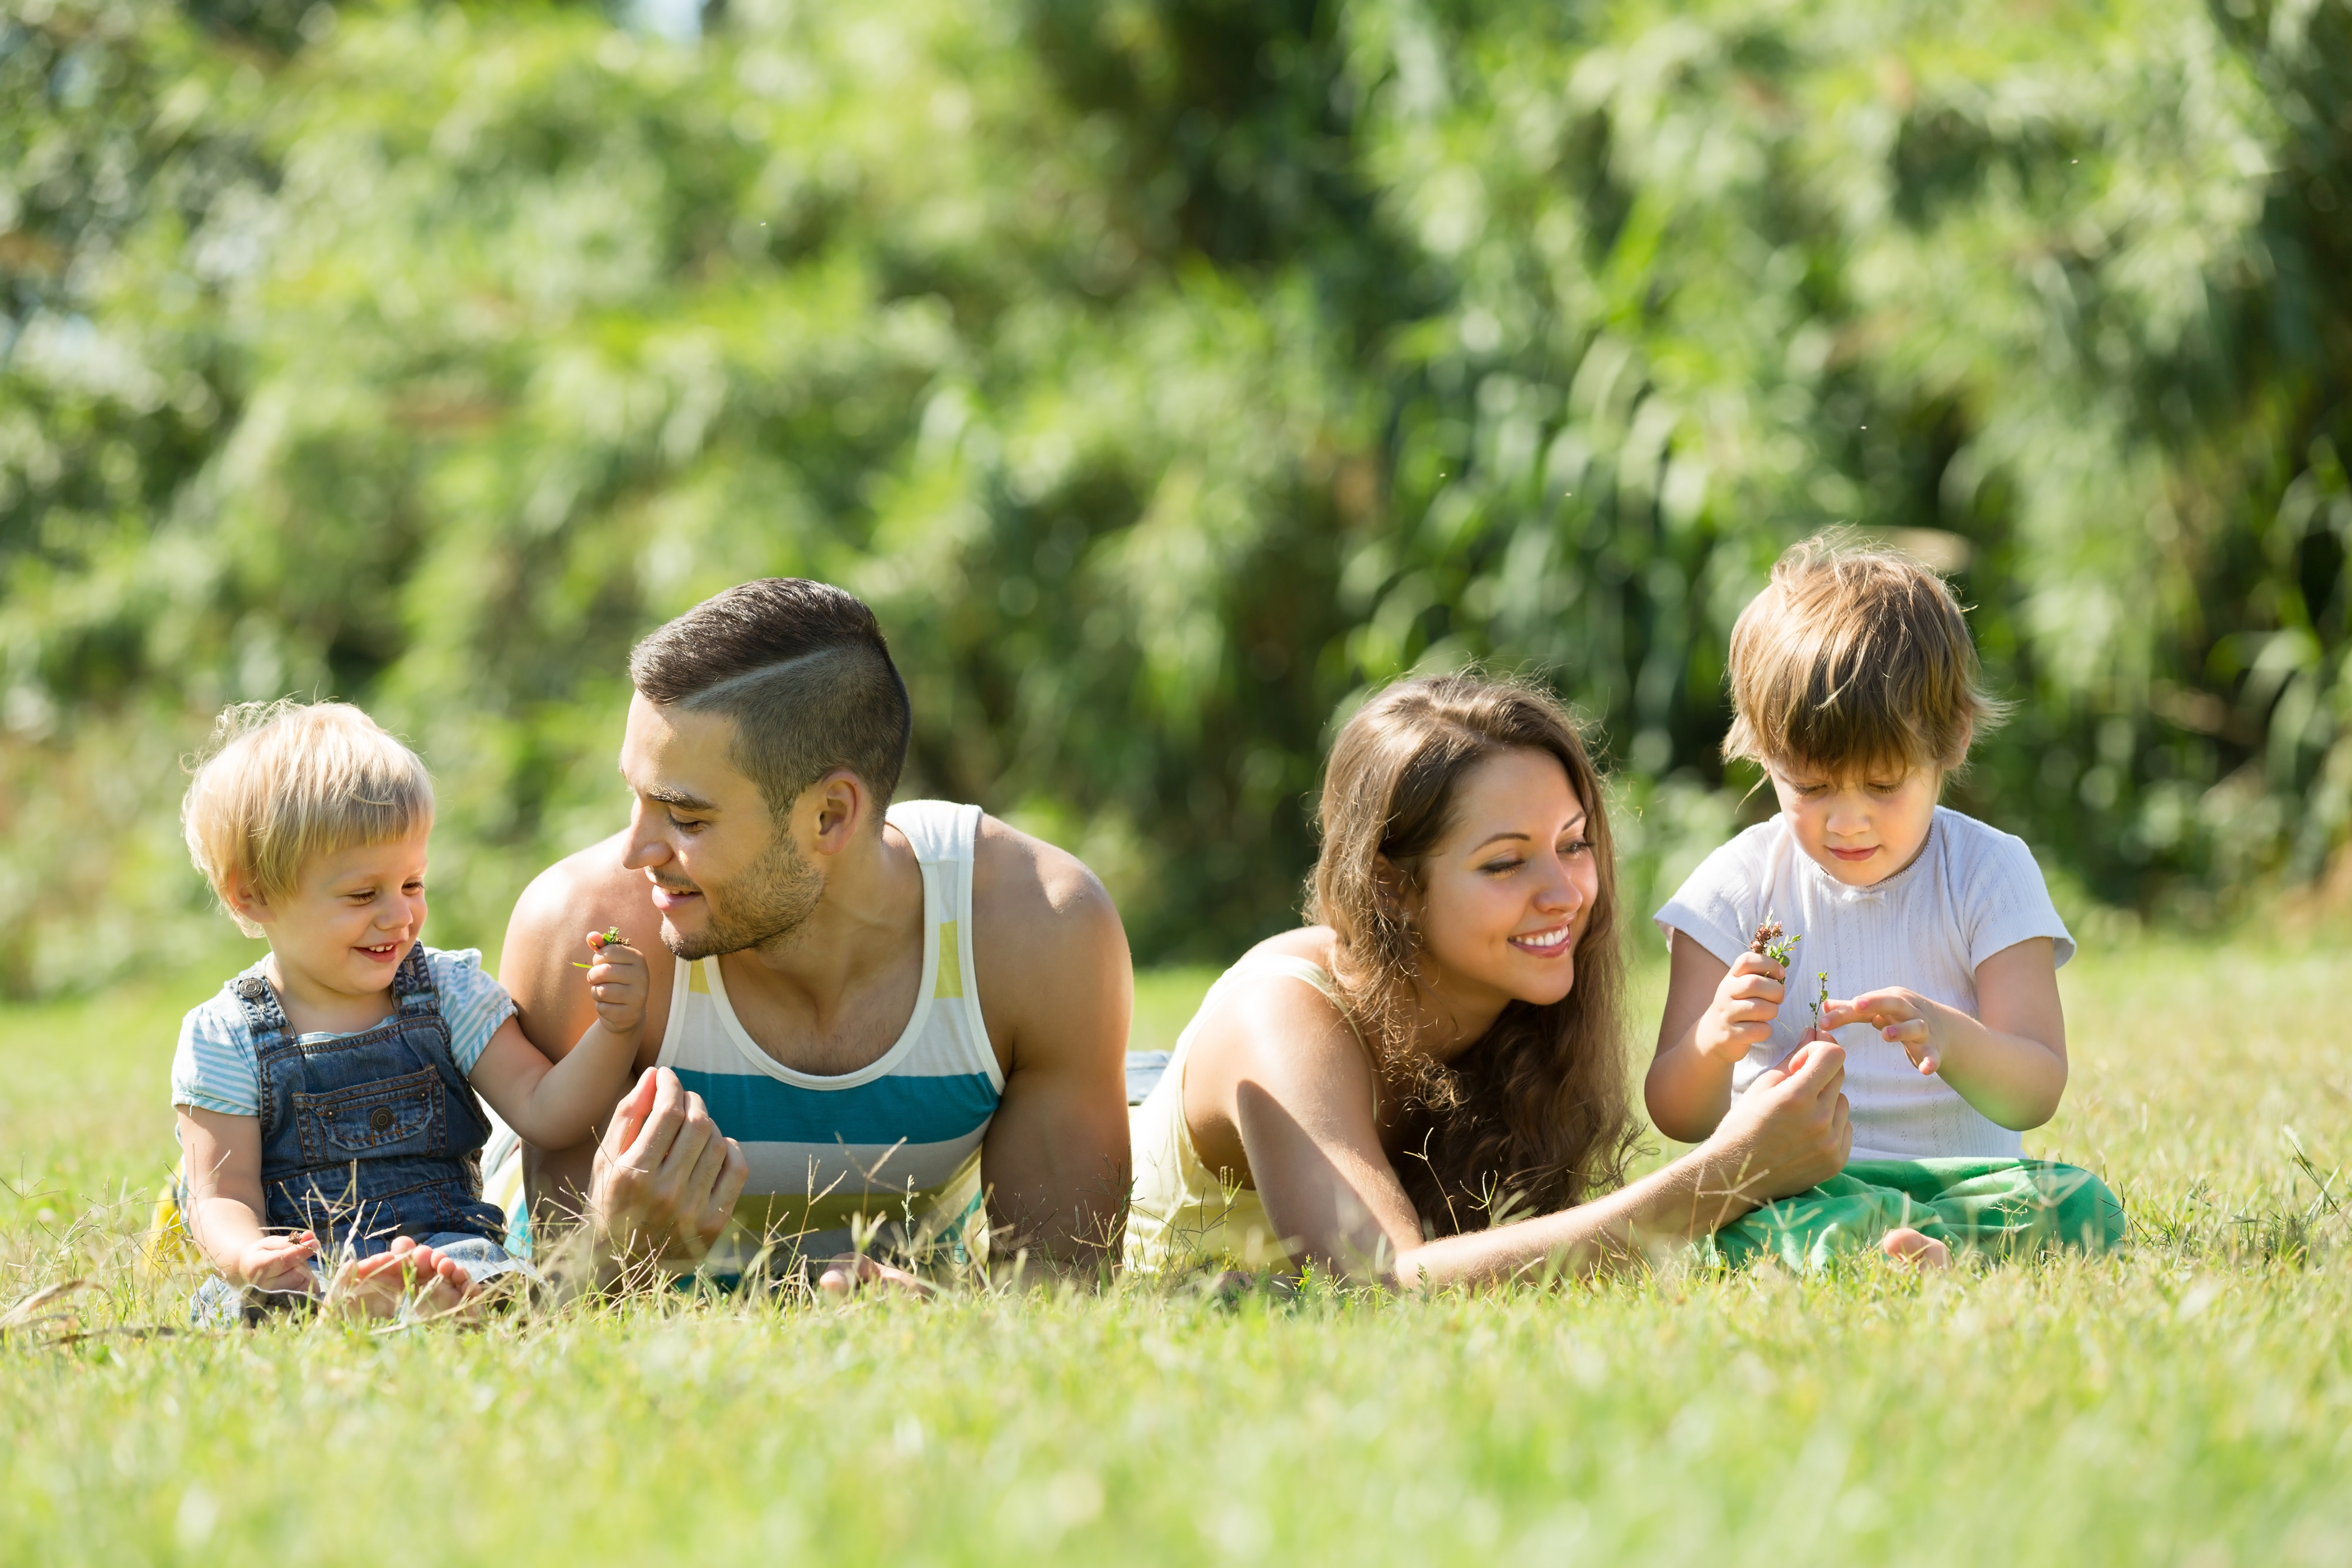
{"points": [[1165, 373]]}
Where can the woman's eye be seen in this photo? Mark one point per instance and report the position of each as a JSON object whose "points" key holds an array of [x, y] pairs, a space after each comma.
{"points": [[1501, 867], [1576, 847]]}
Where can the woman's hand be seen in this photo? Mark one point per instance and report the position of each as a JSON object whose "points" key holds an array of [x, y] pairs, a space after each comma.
{"points": [[1790, 1131], [1741, 1016]]}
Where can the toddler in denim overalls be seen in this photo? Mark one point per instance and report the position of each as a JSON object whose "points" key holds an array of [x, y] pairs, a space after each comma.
{"points": [[326, 1095]]}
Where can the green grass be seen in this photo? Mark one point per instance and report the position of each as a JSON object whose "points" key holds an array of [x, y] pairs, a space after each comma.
{"points": [[2188, 1402]]}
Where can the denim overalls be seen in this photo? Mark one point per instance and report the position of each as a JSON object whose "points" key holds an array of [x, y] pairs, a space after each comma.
{"points": [[365, 1138], [372, 1136]]}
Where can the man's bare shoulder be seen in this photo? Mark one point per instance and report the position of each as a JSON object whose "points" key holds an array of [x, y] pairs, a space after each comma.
{"points": [[1024, 881], [1042, 927], [589, 889]]}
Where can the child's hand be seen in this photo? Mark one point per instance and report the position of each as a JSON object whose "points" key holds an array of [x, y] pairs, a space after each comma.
{"points": [[1901, 1017], [619, 980], [278, 1262], [1740, 1018]]}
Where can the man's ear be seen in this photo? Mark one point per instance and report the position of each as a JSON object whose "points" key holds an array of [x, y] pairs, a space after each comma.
{"points": [[838, 805]]}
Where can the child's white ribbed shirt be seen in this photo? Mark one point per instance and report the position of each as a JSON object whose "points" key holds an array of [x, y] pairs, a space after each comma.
{"points": [[1972, 891]]}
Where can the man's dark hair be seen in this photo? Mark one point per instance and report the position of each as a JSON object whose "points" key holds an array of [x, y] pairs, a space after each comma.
{"points": [[802, 670]]}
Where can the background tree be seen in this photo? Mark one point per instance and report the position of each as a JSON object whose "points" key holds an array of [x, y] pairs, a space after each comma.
{"points": [[1167, 374]]}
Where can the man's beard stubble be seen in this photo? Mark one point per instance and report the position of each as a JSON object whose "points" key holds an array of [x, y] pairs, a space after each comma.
{"points": [[770, 900]]}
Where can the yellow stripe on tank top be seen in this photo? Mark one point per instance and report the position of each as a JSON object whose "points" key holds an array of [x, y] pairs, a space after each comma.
{"points": [[696, 980], [951, 965]]}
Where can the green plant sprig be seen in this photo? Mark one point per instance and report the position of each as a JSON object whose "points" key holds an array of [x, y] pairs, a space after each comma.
{"points": [[1773, 943], [611, 939]]}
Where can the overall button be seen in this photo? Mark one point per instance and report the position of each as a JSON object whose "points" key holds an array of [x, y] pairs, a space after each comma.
{"points": [[382, 1118]]}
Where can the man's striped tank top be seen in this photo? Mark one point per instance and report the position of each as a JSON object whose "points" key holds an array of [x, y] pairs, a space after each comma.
{"points": [[887, 1155]]}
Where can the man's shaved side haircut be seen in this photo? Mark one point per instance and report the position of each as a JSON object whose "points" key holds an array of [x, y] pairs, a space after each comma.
{"points": [[803, 671]]}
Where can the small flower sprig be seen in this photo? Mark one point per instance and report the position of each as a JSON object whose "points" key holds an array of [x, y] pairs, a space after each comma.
{"points": [[611, 939], [1773, 943], [1822, 1000]]}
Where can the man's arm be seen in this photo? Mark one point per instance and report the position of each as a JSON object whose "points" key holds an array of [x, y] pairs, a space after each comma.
{"points": [[1057, 988]]}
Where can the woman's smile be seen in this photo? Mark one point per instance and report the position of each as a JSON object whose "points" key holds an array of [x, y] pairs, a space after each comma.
{"points": [[1550, 943]]}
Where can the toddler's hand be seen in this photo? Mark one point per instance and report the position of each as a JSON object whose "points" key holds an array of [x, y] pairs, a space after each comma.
{"points": [[1740, 1018], [278, 1262], [1901, 1017], [619, 980]]}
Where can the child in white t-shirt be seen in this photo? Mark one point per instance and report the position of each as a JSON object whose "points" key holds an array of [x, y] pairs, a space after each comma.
{"points": [[331, 1140], [1921, 941]]}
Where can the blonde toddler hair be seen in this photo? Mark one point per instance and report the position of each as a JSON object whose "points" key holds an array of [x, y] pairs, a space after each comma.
{"points": [[1855, 657], [281, 783]]}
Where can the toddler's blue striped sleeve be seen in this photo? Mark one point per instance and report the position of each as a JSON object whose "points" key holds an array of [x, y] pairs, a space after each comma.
{"points": [[472, 1003], [214, 1068]]}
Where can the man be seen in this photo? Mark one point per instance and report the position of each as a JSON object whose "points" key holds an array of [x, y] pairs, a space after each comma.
{"points": [[870, 1026]]}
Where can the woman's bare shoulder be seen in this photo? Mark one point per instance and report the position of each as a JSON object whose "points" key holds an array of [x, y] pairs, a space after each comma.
{"points": [[1312, 943], [1275, 1026]]}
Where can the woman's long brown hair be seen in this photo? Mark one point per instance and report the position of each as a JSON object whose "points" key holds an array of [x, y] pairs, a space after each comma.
{"points": [[1536, 1115]]}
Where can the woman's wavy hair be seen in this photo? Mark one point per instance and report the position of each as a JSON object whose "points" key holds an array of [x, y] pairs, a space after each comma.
{"points": [[1536, 1115]]}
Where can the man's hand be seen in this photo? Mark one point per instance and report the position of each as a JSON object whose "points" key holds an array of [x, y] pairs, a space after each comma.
{"points": [[1790, 1130], [1903, 1018], [666, 1178], [1741, 1016], [277, 1262]]}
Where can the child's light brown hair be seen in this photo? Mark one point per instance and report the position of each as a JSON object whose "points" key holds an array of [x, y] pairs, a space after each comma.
{"points": [[1855, 656], [281, 783]]}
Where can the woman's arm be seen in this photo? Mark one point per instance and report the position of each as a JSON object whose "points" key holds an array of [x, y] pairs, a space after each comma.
{"points": [[221, 1170], [1284, 1093], [2010, 1061], [1715, 1014]]}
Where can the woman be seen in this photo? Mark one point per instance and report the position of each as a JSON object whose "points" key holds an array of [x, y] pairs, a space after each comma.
{"points": [[1429, 1085]]}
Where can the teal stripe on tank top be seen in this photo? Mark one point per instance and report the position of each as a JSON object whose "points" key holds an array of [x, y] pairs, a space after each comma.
{"points": [[887, 1110]]}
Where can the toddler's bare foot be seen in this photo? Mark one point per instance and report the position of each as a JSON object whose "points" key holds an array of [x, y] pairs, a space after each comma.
{"points": [[1908, 1247], [375, 1287]]}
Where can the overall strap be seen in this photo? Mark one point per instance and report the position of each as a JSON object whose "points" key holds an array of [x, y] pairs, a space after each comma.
{"points": [[426, 1032], [265, 1020], [412, 982], [273, 1043]]}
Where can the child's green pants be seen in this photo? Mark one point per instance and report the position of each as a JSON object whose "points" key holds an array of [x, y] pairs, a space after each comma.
{"points": [[1998, 1207]]}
